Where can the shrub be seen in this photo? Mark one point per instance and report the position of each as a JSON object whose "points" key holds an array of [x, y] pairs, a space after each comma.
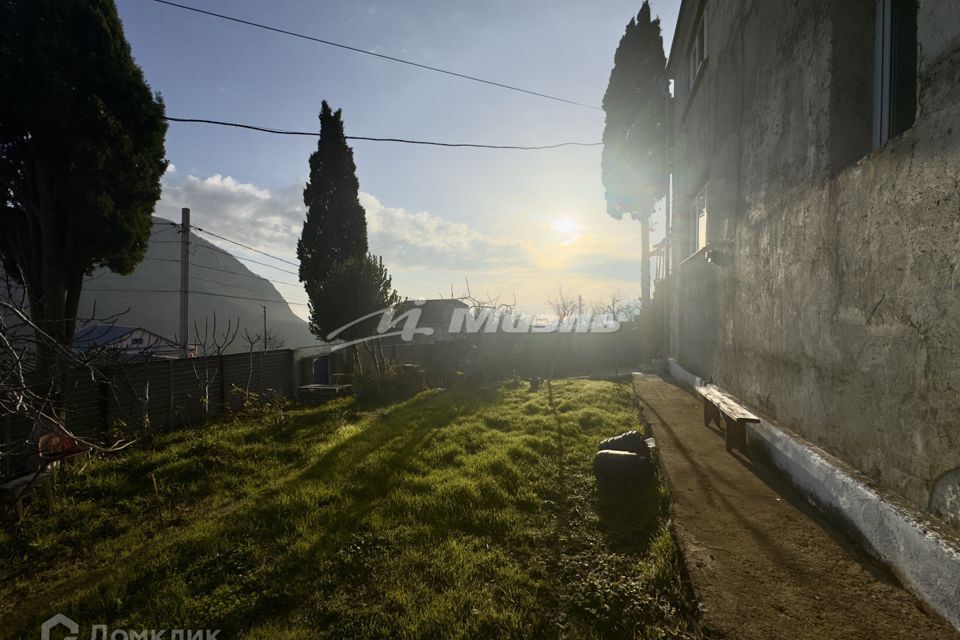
{"points": [[394, 383], [269, 407]]}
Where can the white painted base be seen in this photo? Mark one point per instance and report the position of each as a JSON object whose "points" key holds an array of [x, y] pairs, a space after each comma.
{"points": [[686, 379], [927, 562]]}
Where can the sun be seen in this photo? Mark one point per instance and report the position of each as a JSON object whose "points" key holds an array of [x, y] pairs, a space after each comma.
{"points": [[568, 229]]}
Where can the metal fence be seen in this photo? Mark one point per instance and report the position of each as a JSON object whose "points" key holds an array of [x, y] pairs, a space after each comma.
{"points": [[167, 393]]}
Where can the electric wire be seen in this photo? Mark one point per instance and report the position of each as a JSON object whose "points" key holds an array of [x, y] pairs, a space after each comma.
{"points": [[411, 63], [236, 273], [245, 246], [201, 293], [251, 260], [314, 134]]}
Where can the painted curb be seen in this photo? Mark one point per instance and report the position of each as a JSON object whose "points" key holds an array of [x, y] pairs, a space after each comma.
{"points": [[927, 562]]}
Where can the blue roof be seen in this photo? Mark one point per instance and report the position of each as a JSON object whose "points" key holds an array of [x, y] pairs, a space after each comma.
{"points": [[102, 335], [98, 335]]}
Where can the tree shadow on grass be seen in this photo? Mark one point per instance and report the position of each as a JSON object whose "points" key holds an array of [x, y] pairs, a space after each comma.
{"points": [[365, 466], [357, 471], [402, 429]]}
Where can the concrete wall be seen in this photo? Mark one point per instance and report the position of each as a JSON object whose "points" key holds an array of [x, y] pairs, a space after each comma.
{"points": [[833, 298]]}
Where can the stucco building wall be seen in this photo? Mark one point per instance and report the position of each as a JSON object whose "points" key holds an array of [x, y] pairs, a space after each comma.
{"points": [[831, 298]]}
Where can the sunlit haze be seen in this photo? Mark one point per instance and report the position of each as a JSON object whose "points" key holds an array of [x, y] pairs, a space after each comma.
{"points": [[511, 222]]}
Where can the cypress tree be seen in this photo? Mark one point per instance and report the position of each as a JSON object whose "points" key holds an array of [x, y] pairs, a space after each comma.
{"points": [[336, 226], [634, 162], [343, 281], [358, 286], [635, 134]]}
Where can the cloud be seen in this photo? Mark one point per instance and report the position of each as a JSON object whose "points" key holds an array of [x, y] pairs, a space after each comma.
{"points": [[424, 252], [424, 241], [272, 221], [269, 221]]}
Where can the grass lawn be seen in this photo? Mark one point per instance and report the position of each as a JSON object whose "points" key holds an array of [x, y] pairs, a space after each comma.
{"points": [[461, 513]]}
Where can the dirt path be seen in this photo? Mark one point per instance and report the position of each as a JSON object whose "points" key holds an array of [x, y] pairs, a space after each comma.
{"points": [[762, 561]]}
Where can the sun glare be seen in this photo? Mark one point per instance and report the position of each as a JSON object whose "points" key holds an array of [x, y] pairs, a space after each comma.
{"points": [[568, 229]]}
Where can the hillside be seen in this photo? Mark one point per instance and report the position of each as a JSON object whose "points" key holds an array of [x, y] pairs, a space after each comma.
{"points": [[150, 292]]}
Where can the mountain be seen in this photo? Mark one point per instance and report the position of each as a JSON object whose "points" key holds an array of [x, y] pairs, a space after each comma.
{"points": [[218, 283]]}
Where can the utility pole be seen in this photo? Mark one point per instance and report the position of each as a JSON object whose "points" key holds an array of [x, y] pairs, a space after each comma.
{"points": [[184, 282], [264, 326], [580, 305]]}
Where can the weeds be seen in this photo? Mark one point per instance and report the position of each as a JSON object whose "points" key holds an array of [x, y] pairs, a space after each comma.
{"points": [[269, 408], [441, 516], [393, 384]]}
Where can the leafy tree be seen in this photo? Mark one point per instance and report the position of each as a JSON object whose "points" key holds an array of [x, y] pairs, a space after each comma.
{"points": [[634, 164], [336, 226], [358, 286], [81, 152]]}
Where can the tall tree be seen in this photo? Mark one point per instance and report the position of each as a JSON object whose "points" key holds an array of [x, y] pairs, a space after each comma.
{"points": [[342, 280], [81, 152], [336, 224], [634, 164], [358, 286]]}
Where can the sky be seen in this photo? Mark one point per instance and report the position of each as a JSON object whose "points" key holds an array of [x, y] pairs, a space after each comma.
{"points": [[514, 224]]}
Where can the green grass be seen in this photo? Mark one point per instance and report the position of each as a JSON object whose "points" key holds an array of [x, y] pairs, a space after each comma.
{"points": [[462, 513]]}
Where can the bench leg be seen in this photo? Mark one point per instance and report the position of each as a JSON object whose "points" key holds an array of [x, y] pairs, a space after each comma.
{"points": [[711, 414], [734, 434], [727, 435]]}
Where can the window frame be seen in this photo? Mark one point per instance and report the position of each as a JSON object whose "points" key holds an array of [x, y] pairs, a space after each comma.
{"points": [[895, 69], [697, 53], [701, 213]]}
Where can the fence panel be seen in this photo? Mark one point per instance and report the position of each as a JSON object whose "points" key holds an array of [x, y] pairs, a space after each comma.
{"points": [[169, 392]]}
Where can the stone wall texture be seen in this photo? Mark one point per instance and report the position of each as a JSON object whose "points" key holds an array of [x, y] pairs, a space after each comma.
{"points": [[831, 300]]}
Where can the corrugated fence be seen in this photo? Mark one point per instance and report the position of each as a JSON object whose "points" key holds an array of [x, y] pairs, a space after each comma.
{"points": [[169, 393]]}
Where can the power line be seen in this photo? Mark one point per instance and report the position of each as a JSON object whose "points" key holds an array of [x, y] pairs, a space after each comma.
{"points": [[376, 55], [247, 275], [224, 284], [262, 264], [200, 279], [287, 132], [177, 260], [202, 293], [236, 273], [245, 246]]}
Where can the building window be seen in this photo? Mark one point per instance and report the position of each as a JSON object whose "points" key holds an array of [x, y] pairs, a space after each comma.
{"points": [[669, 253], [895, 69], [698, 51], [659, 255], [700, 219]]}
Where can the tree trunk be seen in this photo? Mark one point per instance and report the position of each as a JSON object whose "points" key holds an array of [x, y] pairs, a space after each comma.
{"points": [[645, 265], [71, 304], [48, 283]]}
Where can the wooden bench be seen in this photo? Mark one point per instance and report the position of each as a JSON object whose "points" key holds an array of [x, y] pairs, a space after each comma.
{"points": [[722, 408]]}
